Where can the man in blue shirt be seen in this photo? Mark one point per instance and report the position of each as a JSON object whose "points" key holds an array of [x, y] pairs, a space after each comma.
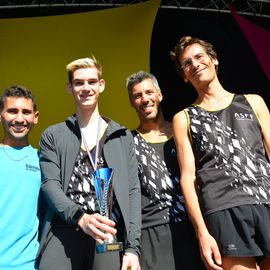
{"points": [[19, 181]]}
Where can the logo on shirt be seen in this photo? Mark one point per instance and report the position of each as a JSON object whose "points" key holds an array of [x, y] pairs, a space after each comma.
{"points": [[173, 152], [243, 116], [32, 168], [231, 247]]}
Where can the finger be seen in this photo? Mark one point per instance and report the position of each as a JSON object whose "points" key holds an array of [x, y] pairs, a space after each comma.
{"points": [[212, 265], [94, 233], [105, 220], [124, 264], [99, 235], [102, 230], [217, 256], [104, 224], [98, 240], [107, 229]]}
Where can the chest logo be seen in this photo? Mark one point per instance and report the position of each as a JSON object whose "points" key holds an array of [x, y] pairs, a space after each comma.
{"points": [[243, 116]]}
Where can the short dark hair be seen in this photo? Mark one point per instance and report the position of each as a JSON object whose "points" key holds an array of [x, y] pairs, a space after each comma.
{"points": [[138, 77], [185, 42], [17, 91]]}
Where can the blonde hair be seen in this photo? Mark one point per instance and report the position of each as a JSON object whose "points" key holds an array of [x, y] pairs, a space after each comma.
{"points": [[83, 63]]}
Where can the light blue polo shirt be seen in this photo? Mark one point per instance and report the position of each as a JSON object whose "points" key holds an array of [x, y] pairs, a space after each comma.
{"points": [[20, 180]]}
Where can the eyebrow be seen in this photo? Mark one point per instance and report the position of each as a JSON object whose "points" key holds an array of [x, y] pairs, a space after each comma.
{"points": [[16, 109]]}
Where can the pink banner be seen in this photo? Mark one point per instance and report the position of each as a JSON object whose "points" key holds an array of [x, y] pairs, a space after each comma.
{"points": [[258, 38]]}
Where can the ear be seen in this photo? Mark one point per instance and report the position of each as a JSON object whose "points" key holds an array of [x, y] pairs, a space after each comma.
{"points": [[69, 88], [185, 79], [36, 117], [131, 102], [215, 61], [160, 96], [101, 85]]}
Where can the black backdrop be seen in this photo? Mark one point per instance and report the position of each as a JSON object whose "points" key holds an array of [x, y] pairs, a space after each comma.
{"points": [[239, 70]]}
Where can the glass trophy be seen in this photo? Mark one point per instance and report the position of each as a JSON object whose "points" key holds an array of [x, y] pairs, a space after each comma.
{"points": [[103, 182]]}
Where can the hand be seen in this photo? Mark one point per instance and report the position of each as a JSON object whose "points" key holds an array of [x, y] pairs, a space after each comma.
{"points": [[97, 226], [130, 262], [209, 252]]}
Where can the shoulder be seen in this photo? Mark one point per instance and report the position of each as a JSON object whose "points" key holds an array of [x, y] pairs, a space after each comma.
{"points": [[69, 124], [55, 127], [114, 126], [135, 133], [180, 118], [63, 133], [181, 126], [257, 103], [54, 131], [34, 151], [168, 129], [116, 132], [254, 99]]}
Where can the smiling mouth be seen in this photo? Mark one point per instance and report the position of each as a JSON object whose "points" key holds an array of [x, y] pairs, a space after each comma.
{"points": [[85, 96], [148, 107], [198, 71], [18, 128]]}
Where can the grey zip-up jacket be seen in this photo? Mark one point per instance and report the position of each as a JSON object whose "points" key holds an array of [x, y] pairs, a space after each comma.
{"points": [[59, 148]]}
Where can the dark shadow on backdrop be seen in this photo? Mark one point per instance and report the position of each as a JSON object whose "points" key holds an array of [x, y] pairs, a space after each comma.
{"points": [[239, 70]]}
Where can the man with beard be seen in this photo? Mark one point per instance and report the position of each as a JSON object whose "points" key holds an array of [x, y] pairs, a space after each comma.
{"points": [[168, 239], [19, 181]]}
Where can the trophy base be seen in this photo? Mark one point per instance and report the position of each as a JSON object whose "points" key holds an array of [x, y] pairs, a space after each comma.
{"points": [[107, 247]]}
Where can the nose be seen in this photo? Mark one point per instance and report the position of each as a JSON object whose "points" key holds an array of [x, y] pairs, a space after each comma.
{"points": [[87, 86], [144, 98], [194, 62], [19, 117]]}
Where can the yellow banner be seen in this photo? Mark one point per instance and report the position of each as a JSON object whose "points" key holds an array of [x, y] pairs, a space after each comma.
{"points": [[35, 51]]}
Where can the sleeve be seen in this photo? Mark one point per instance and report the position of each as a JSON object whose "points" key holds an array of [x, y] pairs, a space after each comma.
{"points": [[52, 178], [134, 234]]}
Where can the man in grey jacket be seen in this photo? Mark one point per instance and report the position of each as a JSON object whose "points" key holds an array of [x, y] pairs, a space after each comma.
{"points": [[70, 152]]}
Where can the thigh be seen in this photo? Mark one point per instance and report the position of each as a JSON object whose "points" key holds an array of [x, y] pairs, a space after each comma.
{"points": [[157, 248], [265, 264], [262, 218], [185, 247], [239, 263], [235, 231], [67, 249], [108, 260]]}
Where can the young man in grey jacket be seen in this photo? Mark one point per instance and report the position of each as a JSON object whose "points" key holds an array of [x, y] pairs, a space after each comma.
{"points": [[70, 152]]}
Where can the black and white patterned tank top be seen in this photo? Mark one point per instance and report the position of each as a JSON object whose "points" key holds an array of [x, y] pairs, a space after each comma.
{"points": [[231, 164]]}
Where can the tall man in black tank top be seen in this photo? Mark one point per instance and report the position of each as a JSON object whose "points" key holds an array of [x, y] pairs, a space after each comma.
{"points": [[223, 148], [168, 239]]}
